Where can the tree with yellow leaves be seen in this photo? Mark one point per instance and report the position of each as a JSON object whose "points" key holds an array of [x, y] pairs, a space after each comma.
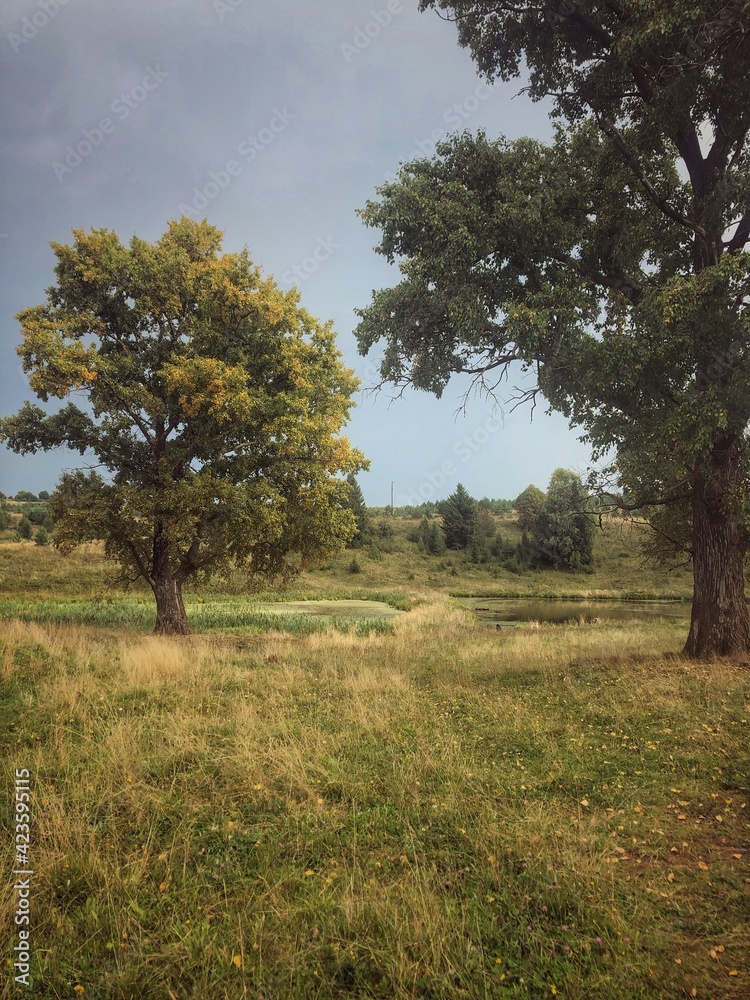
{"points": [[214, 406]]}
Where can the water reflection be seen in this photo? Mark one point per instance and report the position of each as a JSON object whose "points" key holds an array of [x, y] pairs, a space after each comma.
{"points": [[509, 611]]}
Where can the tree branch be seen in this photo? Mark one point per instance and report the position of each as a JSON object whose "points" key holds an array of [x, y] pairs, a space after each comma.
{"points": [[741, 235], [661, 202]]}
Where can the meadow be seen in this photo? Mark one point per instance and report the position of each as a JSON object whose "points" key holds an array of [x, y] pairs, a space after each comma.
{"points": [[422, 808]]}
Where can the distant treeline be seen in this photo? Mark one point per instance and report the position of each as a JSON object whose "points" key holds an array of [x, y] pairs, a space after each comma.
{"points": [[432, 507]]}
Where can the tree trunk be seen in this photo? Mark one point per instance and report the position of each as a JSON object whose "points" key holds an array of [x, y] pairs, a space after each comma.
{"points": [[171, 618], [720, 623]]}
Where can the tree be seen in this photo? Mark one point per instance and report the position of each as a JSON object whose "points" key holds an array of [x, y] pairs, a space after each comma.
{"points": [[214, 404], [611, 262], [23, 496], [5, 518], [41, 537], [356, 504], [24, 528], [429, 536], [528, 505], [43, 495], [563, 533], [458, 513]]}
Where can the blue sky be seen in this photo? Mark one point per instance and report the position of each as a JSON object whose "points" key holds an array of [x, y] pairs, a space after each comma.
{"points": [[276, 121]]}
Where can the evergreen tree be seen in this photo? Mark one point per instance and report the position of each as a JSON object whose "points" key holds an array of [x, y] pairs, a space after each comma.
{"points": [[24, 528], [458, 513], [357, 506]]}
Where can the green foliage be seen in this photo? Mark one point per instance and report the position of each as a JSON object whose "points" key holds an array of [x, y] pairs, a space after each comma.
{"points": [[41, 537], [611, 261], [24, 496], [496, 506], [563, 532], [215, 403], [458, 513], [24, 528], [384, 529], [429, 536], [5, 518], [43, 495], [356, 504], [354, 566], [528, 505]]}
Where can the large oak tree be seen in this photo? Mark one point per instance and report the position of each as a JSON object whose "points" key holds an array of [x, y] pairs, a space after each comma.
{"points": [[610, 264], [212, 405]]}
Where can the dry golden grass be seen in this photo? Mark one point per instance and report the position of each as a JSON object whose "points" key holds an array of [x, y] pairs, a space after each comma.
{"points": [[415, 814]]}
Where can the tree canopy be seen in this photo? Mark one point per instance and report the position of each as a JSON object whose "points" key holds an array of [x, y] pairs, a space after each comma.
{"points": [[610, 264], [563, 530], [212, 406], [528, 505]]}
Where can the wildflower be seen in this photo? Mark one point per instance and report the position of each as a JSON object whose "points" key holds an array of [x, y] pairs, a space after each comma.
{"points": [[598, 940], [565, 927]]}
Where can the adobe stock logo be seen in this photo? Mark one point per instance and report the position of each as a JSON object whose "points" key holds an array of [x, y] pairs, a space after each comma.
{"points": [[248, 150], [464, 450], [122, 107], [324, 249], [31, 26], [363, 36]]}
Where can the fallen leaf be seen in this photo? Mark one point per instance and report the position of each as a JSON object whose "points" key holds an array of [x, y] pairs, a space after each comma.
{"points": [[584, 802], [237, 960], [703, 866]]}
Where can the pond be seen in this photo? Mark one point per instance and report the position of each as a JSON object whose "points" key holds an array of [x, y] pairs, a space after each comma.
{"points": [[509, 611]]}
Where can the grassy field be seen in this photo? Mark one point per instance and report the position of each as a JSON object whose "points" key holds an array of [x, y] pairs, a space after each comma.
{"points": [[389, 565], [424, 808]]}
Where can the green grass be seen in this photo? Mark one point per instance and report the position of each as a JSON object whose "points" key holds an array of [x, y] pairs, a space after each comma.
{"points": [[435, 812], [204, 617], [303, 806]]}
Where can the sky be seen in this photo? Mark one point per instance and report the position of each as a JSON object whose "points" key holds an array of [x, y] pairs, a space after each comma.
{"points": [[276, 121]]}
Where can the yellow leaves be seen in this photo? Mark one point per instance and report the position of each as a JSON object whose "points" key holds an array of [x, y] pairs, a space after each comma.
{"points": [[237, 960]]}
